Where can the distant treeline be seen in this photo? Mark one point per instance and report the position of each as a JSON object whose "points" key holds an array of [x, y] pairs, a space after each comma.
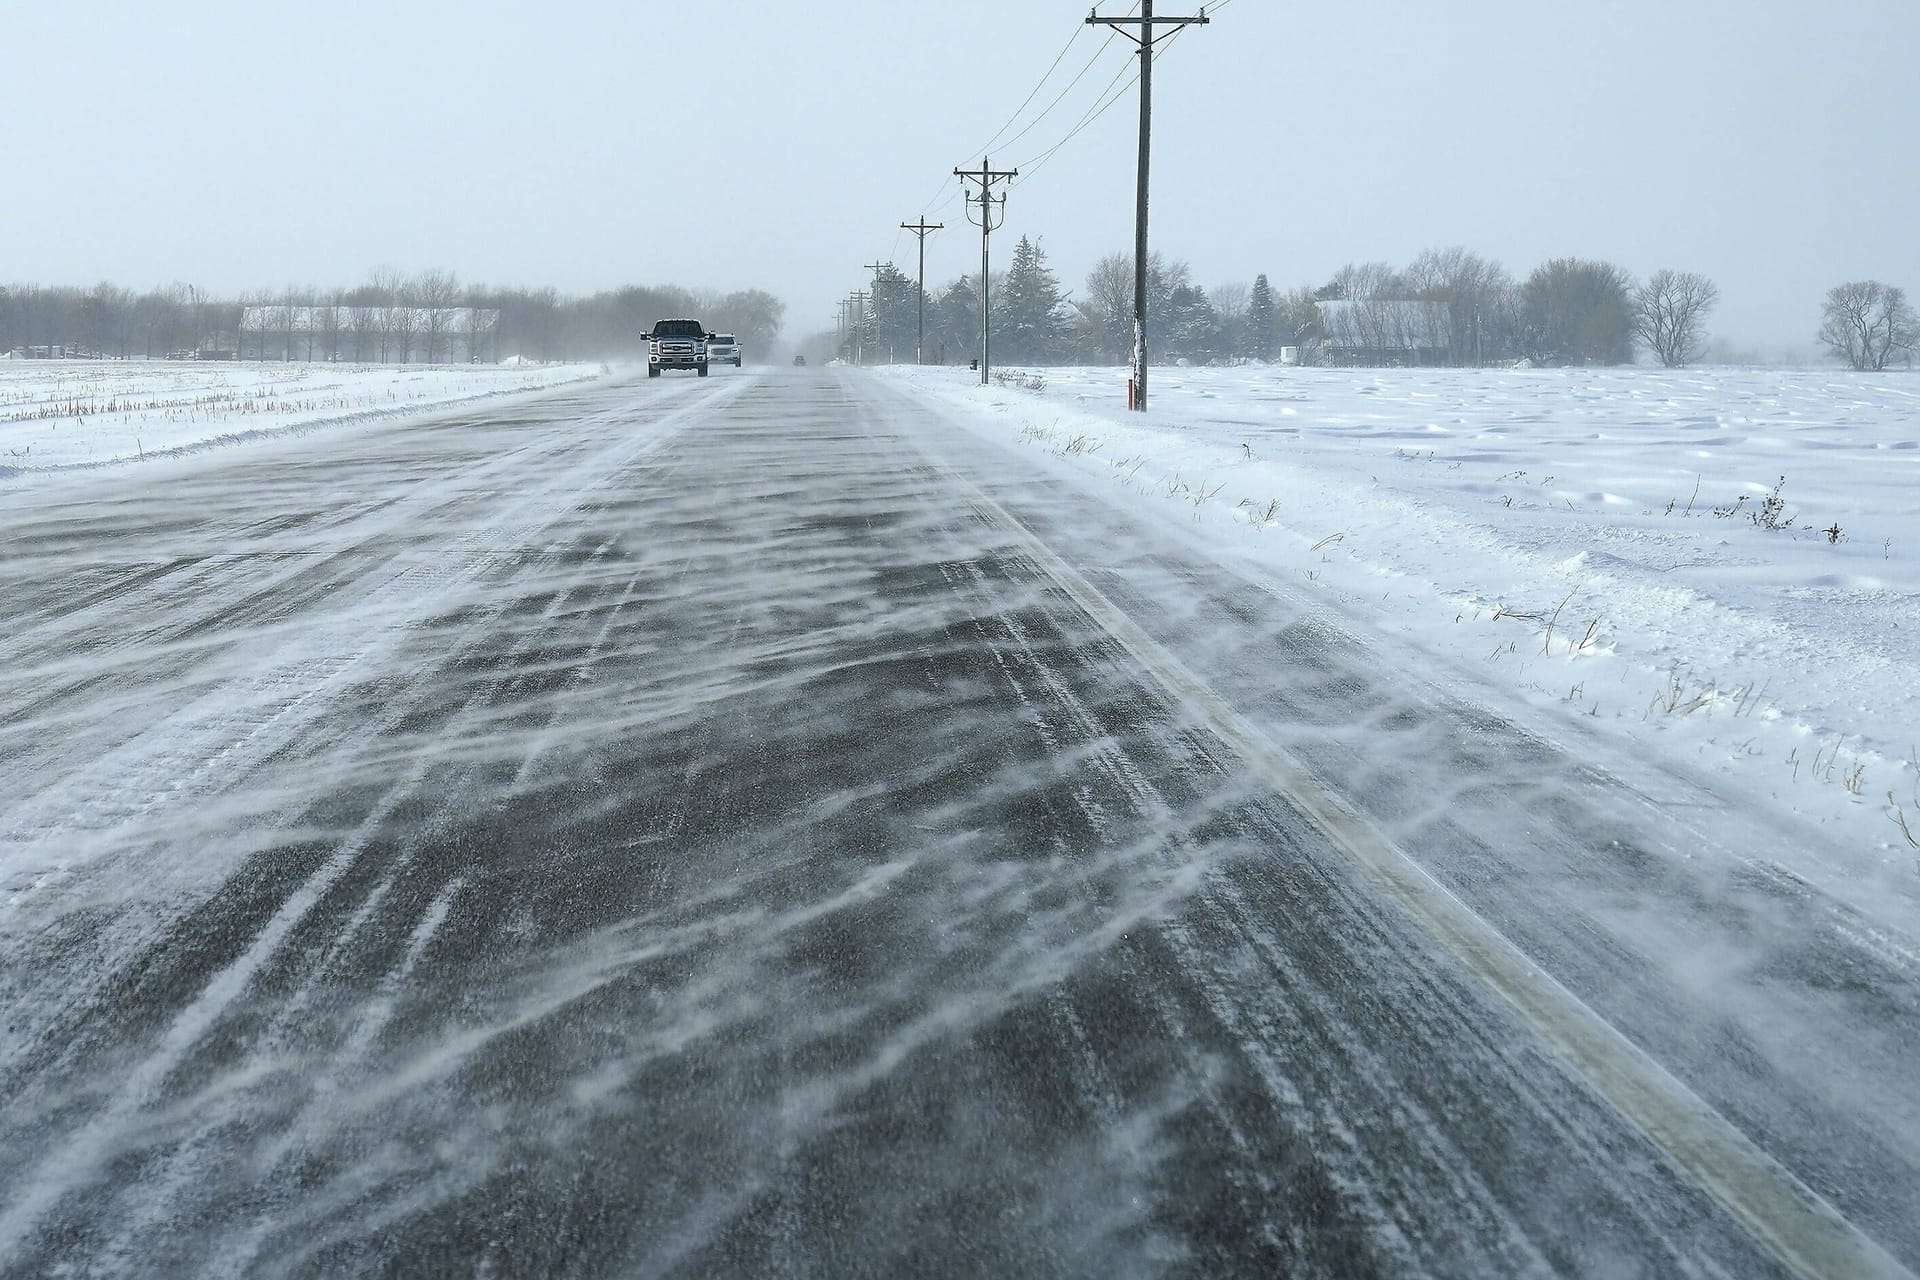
{"points": [[542, 324], [1447, 307]]}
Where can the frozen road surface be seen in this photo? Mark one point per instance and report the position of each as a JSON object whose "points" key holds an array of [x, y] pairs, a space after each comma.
{"points": [[757, 826]]}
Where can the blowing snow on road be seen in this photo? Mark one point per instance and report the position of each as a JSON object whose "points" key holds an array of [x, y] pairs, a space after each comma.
{"points": [[813, 823]]}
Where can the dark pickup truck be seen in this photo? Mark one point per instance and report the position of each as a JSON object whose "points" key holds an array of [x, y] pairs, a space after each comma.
{"points": [[677, 344]]}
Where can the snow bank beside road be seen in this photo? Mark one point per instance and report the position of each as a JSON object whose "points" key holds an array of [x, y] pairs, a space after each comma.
{"points": [[1717, 568], [61, 414]]}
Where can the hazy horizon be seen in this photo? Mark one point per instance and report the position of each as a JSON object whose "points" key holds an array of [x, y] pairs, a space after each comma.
{"points": [[767, 147]]}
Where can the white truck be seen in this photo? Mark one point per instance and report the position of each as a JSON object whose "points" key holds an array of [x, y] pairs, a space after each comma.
{"points": [[677, 344]]}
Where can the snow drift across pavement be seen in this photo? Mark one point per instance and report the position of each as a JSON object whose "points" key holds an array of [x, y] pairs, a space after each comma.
{"points": [[1719, 567]]}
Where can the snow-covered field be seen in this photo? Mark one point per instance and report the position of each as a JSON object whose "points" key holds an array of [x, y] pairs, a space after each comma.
{"points": [[60, 414], [1719, 567]]}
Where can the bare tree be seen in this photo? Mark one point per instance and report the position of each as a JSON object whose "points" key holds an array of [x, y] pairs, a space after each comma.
{"points": [[366, 317], [328, 319], [124, 314], [483, 340], [1475, 290], [288, 320], [156, 314], [383, 289], [1108, 304], [1867, 323], [1670, 312], [1230, 299], [1368, 289], [437, 293], [1230, 302], [1296, 322]]}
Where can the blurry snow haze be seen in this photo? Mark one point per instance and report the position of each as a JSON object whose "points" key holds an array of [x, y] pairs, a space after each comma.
{"points": [[778, 146]]}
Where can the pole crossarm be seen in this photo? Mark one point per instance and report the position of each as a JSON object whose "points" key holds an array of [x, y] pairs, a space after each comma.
{"points": [[1146, 36], [986, 176]]}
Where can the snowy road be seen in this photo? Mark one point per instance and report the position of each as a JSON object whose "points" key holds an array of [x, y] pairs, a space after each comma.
{"points": [[756, 826]]}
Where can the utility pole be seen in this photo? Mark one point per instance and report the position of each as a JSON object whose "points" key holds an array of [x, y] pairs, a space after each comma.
{"points": [[920, 230], [877, 268], [859, 302], [986, 176], [1146, 39]]}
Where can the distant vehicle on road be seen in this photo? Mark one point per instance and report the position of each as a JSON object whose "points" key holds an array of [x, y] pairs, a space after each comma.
{"points": [[800, 359], [677, 344], [723, 349]]}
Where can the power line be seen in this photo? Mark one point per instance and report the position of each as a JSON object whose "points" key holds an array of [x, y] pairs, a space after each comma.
{"points": [[1080, 75], [1079, 30], [1107, 96], [927, 207], [1102, 105]]}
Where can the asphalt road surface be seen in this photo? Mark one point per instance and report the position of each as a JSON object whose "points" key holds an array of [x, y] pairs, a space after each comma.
{"points": [[761, 826]]}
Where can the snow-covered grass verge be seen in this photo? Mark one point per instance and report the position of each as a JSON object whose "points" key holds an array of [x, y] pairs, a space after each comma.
{"points": [[56, 415], [1716, 566]]}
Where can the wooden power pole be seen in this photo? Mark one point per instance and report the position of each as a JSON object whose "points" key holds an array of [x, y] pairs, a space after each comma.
{"points": [[859, 308], [1146, 39], [986, 176], [920, 230], [881, 321]]}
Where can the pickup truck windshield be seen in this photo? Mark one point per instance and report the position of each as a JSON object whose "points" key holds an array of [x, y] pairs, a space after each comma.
{"points": [[678, 329]]}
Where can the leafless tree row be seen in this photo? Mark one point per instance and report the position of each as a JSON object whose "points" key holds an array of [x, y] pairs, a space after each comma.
{"points": [[392, 318]]}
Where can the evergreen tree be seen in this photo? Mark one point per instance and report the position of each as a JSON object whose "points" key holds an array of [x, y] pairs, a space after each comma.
{"points": [[1263, 333], [953, 324], [1193, 330], [895, 316], [1029, 315]]}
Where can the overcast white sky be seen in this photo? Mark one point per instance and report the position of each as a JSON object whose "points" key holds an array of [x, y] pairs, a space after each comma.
{"points": [[777, 144]]}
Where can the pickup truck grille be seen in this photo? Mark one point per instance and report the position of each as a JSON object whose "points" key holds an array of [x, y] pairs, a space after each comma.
{"points": [[671, 348]]}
